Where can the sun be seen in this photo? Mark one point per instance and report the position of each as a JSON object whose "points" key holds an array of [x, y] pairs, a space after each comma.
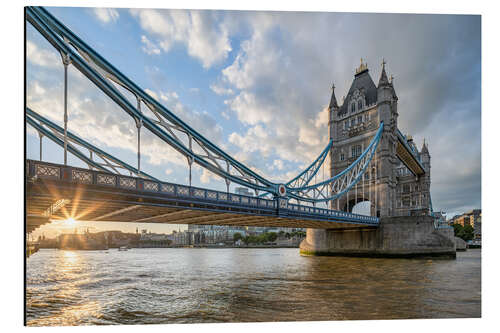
{"points": [[69, 221]]}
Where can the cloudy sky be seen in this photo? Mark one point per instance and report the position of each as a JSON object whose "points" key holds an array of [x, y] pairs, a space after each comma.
{"points": [[257, 84]]}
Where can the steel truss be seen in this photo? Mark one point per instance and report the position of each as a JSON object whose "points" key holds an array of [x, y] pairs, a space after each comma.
{"points": [[165, 124], [169, 128], [308, 174], [341, 183], [76, 146]]}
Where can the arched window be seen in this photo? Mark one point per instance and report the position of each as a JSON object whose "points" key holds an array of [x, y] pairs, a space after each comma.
{"points": [[360, 104], [353, 107]]}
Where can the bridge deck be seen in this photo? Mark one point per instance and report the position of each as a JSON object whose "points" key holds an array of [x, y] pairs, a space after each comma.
{"points": [[59, 192]]}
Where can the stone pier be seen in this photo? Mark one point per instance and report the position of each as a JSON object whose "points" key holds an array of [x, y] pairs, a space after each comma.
{"points": [[402, 236]]}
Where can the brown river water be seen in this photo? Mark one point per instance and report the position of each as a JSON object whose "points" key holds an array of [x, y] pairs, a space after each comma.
{"points": [[160, 286]]}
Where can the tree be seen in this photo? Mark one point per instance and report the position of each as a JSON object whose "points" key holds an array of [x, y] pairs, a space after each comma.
{"points": [[271, 237], [237, 236], [458, 229], [466, 233]]}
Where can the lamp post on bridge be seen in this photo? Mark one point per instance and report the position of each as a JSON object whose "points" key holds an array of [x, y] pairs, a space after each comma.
{"points": [[66, 61], [138, 124], [41, 137]]}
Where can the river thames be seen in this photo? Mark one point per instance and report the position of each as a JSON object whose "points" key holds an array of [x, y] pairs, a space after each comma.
{"points": [[172, 285]]}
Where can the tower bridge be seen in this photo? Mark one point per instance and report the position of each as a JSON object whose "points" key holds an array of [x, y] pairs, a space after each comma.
{"points": [[369, 160]]}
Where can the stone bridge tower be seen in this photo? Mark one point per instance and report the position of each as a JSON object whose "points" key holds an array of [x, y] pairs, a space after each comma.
{"points": [[352, 126], [399, 197]]}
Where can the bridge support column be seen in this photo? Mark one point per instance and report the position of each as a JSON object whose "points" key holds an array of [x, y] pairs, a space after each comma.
{"points": [[405, 236]]}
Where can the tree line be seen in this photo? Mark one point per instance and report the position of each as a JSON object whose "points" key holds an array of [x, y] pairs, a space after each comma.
{"points": [[465, 232]]}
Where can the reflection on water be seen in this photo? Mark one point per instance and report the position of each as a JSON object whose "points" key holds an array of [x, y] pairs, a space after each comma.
{"points": [[153, 286]]}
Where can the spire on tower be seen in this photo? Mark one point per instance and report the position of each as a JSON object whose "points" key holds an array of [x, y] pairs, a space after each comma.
{"points": [[424, 149], [362, 67], [333, 99], [383, 76]]}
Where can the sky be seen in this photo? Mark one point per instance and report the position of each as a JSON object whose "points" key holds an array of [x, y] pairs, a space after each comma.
{"points": [[257, 84]]}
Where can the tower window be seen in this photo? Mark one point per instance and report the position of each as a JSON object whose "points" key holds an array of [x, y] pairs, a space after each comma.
{"points": [[360, 119], [353, 121], [356, 150], [342, 156], [353, 107], [360, 104], [346, 124]]}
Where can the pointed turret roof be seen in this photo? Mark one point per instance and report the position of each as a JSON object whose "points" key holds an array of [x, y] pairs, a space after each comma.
{"points": [[384, 81], [424, 149], [333, 99], [391, 81], [363, 83]]}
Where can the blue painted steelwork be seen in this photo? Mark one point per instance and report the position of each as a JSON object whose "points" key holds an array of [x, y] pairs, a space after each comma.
{"points": [[437, 224], [167, 127], [45, 126], [342, 182], [193, 197], [97, 69], [305, 176]]}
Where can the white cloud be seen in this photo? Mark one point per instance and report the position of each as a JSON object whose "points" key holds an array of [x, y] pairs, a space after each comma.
{"points": [[207, 176], [95, 118], [255, 139], [278, 164], [276, 92], [41, 57], [152, 94], [225, 115], [106, 15], [198, 31], [219, 90], [149, 47], [249, 109]]}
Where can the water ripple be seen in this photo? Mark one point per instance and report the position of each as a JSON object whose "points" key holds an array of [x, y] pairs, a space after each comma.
{"points": [[158, 286]]}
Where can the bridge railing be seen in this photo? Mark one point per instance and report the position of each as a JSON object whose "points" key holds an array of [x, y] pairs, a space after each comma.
{"points": [[331, 212], [51, 171], [75, 175]]}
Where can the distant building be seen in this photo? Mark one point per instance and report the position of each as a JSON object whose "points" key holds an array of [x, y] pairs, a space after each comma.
{"points": [[243, 191], [213, 234], [469, 218], [477, 227]]}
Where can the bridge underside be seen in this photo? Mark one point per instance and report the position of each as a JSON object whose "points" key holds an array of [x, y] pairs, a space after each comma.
{"points": [[406, 156], [57, 192], [88, 203]]}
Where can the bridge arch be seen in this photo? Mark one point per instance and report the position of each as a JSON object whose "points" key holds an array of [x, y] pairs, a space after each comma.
{"points": [[357, 199]]}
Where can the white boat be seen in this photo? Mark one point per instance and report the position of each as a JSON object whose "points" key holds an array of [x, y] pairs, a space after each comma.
{"points": [[122, 248]]}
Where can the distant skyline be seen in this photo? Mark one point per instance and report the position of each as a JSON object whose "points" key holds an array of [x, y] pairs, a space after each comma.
{"points": [[257, 84]]}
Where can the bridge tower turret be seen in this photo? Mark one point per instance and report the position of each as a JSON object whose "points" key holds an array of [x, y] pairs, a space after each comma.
{"points": [[333, 110], [425, 180], [386, 160]]}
